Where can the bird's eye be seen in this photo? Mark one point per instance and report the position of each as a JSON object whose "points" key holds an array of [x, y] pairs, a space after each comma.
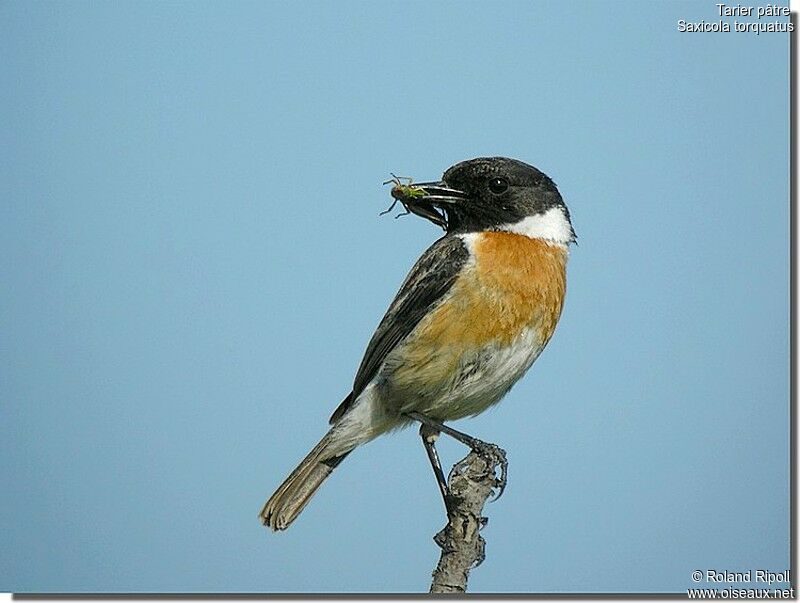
{"points": [[498, 185]]}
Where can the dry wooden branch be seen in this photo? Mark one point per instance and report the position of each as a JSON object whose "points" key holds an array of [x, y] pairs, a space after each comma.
{"points": [[471, 482]]}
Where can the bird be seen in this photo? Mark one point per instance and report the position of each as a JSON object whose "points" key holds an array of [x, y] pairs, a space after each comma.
{"points": [[471, 317]]}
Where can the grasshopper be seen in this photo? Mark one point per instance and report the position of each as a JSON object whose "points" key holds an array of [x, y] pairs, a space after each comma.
{"points": [[412, 198]]}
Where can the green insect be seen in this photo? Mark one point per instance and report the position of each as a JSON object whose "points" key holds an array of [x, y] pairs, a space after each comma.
{"points": [[414, 201], [403, 191]]}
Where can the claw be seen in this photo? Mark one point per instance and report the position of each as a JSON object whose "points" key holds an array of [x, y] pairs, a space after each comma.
{"points": [[501, 482], [498, 455]]}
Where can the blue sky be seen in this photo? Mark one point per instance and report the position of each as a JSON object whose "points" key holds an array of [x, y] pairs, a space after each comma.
{"points": [[194, 264]]}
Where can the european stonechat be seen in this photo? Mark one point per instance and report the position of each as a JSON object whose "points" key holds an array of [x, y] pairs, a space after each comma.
{"points": [[472, 316]]}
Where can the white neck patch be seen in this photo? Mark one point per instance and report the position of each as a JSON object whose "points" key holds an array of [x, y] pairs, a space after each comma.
{"points": [[552, 226]]}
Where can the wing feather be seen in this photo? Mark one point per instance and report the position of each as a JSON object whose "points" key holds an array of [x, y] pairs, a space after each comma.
{"points": [[425, 286]]}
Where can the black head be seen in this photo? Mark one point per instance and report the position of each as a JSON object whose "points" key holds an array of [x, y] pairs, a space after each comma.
{"points": [[497, 193]]}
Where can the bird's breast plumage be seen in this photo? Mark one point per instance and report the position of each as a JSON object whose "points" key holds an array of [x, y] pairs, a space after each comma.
{"points": [[486, 332]]}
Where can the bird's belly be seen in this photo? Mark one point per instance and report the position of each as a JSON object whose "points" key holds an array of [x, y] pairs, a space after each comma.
{"points": [[479, 380]]}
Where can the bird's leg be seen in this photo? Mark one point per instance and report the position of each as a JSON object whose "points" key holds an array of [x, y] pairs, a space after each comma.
{"points": [[429, 436], [490, 450]]}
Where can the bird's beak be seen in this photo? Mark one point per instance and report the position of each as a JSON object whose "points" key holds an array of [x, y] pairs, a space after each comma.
{"points": [[429, 200], [432, 205], [439, 193]]}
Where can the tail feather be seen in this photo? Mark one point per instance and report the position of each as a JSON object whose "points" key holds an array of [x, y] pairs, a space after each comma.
{"points": [[293, 494]]}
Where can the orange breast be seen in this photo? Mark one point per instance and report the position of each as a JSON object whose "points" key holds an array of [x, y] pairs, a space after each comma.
{"points": [[516, 283]]}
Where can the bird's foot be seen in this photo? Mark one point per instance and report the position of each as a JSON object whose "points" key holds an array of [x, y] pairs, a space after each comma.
{"points": [[495, 456]]}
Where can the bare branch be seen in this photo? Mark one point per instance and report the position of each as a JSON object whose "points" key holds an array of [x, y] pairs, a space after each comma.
{"points": [[471, 482]]}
